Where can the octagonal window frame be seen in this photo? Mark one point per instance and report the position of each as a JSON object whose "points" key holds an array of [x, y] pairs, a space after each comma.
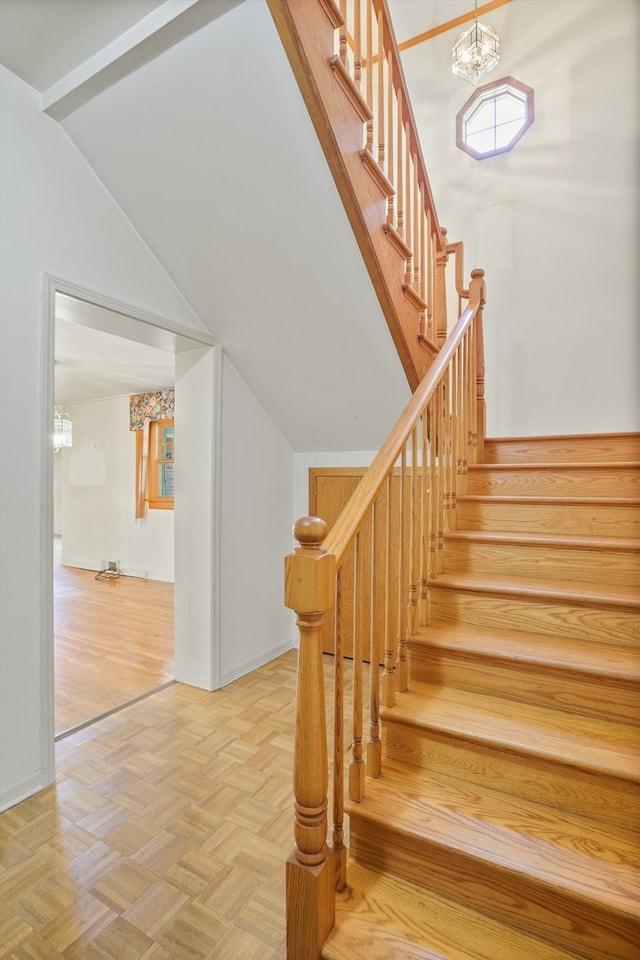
{"points": [[494, 93]]}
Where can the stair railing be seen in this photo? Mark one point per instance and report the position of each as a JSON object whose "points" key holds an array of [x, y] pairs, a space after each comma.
{"points": [[367, 54], [346, 61], [364, 586]]}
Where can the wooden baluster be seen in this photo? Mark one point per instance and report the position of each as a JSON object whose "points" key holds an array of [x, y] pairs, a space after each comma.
{"points": [[439, 567], [380, 97], [408, 207], [389, 677], [434, 493], [400, 178], [462, 420], [402, 664], [390, 138], [356, 767], [310, 872], [369, 86], [422, 321], [440, 291], [343, 39], [357, 45], [338, 742], [425, 521], [473, 408], [417, 219], [430, 254], [414, 538], [376, 615], [478, 288]]}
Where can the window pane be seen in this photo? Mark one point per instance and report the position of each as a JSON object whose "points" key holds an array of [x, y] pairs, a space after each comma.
{"points": [[166, 443], [483, 142], [509, 108], [506, 132], [166, 479], [481, 119]]}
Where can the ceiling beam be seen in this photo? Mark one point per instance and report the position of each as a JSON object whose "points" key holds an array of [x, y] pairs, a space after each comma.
{"points": [[450, 24]]}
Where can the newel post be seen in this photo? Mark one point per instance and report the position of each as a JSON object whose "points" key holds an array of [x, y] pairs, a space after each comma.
{"points": [[478, 290], [311, 875]]}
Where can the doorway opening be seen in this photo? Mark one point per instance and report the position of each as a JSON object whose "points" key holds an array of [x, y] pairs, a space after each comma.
{"points": [[117, 636]]}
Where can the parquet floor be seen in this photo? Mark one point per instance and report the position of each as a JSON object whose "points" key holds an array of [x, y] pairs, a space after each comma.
{"points": [[113, 641], [165, 835]]}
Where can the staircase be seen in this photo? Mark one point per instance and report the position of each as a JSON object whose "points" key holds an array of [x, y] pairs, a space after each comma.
{"points": [[505, 822]]}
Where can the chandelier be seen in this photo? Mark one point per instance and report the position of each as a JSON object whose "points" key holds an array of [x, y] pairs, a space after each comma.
{"points": [[476, 51], [62, 430]]}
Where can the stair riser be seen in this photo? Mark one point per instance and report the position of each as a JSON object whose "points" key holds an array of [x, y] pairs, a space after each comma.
{"points": [[577, 449], [607, 799], [572, 482], [534, 560], [605, 697], [518, 899], [607, 625], [553, 519]]}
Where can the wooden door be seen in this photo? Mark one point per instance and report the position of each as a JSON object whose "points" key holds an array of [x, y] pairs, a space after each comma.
{"points": [[329, 490]]}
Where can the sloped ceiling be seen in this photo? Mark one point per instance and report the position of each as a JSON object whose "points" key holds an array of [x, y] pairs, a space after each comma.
{"points": [[208, 149]]}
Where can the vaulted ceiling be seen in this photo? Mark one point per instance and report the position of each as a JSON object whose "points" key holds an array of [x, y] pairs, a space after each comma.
{"points": [[198, 131]]}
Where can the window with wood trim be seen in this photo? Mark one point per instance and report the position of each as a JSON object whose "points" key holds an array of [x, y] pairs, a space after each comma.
{"points": [[494, 118], [154, 466]]}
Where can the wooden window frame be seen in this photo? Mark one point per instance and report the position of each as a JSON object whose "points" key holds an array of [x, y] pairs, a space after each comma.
{"points": [[148, 460]]}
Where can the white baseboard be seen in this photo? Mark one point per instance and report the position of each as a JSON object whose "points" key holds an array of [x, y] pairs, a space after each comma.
{"points": [[163, 575], [22, 791], [249, 665]]}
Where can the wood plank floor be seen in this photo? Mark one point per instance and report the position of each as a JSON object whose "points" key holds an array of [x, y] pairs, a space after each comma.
{"points": [[165, 835], [113, 641]]}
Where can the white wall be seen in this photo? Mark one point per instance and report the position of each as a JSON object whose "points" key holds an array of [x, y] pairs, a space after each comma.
{"points": [[554, 222], [98, 497], [58, 219], [256, 499]]}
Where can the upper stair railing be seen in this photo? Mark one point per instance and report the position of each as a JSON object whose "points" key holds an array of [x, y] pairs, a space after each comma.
{"points": [[347, 64]]}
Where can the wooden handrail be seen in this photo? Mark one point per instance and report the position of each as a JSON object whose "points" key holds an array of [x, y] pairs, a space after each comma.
{"points": [[348, 523]]}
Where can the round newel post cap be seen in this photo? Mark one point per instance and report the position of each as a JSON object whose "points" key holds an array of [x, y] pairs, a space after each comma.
{"points": [[477, 274], [310, 532]]}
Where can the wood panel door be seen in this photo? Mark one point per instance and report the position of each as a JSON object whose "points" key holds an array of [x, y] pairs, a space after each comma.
{"points": [[329, 491]]}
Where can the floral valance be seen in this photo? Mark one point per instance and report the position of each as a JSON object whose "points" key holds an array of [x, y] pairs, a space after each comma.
{"points": [[159, 405]]}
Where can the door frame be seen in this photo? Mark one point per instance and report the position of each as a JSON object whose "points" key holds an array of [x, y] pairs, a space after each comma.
{"points": [[133, 324]]}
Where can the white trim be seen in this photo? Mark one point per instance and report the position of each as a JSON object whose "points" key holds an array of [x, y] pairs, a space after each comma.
{"points": [[180, 337], [250, 665], [24, 790], [216, 521], [47, 728], [158, 31], [128, 312]]}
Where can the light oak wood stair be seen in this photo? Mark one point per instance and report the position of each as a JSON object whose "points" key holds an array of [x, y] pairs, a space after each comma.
{"points": [[506, 822]]}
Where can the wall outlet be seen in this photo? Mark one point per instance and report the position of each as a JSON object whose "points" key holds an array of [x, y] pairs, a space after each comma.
{"points": [[110, 564]]}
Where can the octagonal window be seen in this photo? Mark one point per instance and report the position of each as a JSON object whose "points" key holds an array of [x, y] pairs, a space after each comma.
{"points": [[494, 118]]}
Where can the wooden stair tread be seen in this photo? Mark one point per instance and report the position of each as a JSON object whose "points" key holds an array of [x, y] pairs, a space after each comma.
{"points": [[401, 801], [601, 659], [572, 591], [559, 465], [383, 917], [545, 500], [589, 743], [544, 539]]}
